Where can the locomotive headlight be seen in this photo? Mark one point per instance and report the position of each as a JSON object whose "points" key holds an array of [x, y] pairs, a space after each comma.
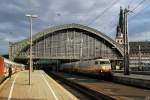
{"points": [[106, 67], [103, 67]]}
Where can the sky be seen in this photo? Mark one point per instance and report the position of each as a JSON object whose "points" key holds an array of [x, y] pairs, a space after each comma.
{"points": [[102, 15]]}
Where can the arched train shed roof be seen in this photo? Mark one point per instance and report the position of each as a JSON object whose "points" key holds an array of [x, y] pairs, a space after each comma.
{"points": [[24, 43]]}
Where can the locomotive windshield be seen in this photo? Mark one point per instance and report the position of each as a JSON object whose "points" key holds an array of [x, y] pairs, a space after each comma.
{"points": [[104, 62], [96, 62]]}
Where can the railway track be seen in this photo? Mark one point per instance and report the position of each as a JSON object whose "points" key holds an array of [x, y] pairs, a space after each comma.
{"points": [[91, 94], [102, 90]]}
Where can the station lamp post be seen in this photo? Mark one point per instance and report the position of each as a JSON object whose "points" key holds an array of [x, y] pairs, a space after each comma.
{"points": [[30, 16]]}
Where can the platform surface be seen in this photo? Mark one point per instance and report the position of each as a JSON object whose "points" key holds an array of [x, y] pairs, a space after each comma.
{"points": [[42, 87], [134, 76]]}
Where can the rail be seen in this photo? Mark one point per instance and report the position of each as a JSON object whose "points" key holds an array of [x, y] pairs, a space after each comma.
{"points": [[94, 95]]}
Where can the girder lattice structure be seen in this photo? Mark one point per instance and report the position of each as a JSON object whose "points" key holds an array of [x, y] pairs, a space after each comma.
{"points": [[69, 41]]}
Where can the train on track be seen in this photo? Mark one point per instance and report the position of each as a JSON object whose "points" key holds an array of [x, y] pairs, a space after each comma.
{"points": [[100, 67], [5, 64]]}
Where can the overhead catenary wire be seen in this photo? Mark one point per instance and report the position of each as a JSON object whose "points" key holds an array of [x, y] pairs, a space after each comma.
{"points": [[135, 14], [138, 5], [135, 8], [102, 13], [138, 13]]}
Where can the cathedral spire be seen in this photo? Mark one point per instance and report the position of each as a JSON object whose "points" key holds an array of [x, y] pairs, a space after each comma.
{"points": [[121, 19], [119, 29]]}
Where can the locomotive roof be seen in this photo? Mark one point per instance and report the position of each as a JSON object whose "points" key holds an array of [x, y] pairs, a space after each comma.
{"points": [[102, 59]]}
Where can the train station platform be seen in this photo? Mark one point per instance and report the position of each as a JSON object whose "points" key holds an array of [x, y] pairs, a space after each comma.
{"points": [[42, 87], [133, 79]]}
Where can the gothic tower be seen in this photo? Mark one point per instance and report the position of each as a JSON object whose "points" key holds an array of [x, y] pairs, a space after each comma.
{"points": [[119, 30]]}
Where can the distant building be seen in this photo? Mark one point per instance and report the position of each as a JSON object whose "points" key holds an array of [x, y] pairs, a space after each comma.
{"points": [[144, 48], [139, 53], [139, 50]]}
